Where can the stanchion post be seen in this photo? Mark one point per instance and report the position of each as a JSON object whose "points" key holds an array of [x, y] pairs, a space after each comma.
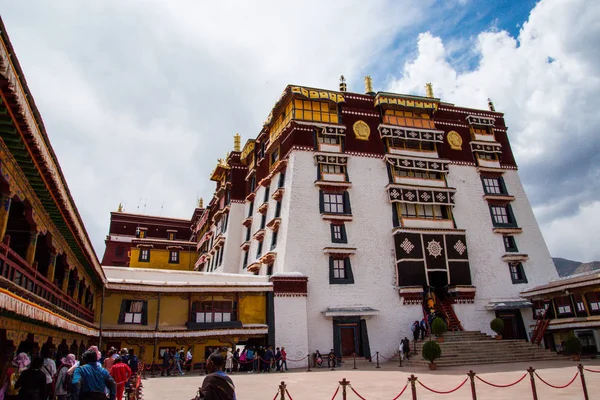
{"points": [[308, 361], [471, 376], [583, 385], [354, 354], [282, 390], [531, 370], [377, 354], [152, 373], [143, 371], [344, 383], [413, 386]]}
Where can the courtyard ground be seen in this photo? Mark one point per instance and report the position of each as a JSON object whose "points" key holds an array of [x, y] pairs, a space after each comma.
{"points": [[387, 382]]}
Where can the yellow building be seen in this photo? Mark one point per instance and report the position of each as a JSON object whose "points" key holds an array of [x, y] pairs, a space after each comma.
{"points": [[152, 310]]}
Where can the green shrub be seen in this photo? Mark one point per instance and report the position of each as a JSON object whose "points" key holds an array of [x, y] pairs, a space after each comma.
{"points": [[431, 351], [438, 327], [573, 345], [497, 326]]}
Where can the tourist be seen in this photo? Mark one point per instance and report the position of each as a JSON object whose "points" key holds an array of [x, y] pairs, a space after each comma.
{"points": [[236, 360], [109, 360], [188, 359], [229, 361], [261, 357], [254, 356], [133, 362], [283, 359], [90, 381], [121, 374], [83, 361], [32, 382], [177, 363], [401, 350], [62, 389], [268, 359], [216, 385], [124, 354], [318, 359], [166, 363], [331, 358], [406, 347], [415, 330], [277, 359], [49, 369], [423, 327]]}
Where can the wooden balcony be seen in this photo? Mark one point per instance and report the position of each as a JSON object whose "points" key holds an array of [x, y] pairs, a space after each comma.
{"points": [[17, 271]]}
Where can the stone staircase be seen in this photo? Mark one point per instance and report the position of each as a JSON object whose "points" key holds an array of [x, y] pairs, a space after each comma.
{"points": [[474, 347]]}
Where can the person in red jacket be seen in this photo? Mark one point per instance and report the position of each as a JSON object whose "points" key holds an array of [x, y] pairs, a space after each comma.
{"points": [[121, 374]]}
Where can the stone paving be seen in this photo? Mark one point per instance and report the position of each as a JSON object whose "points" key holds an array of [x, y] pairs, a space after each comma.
{"points": [[387, 382]]}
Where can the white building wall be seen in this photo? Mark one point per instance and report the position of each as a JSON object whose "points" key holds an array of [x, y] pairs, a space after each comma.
{"points": [[373, 265], [231, 255], [291, 329]]}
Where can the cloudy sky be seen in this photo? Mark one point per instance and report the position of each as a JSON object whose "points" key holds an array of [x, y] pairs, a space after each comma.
{"points": [[140, 97]]}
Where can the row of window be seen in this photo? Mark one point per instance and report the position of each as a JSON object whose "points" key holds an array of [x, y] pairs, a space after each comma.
{"points": [[212, 311], [145, 256], [142, 233], [577, 304]]}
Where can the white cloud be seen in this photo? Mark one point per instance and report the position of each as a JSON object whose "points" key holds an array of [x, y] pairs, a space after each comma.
{"points": [[546, 81]]}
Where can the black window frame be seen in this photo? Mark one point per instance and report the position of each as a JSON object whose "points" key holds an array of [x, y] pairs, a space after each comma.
{"points": [[278, 209], [346, 208], [248, 233], [510, 244], [263, 221], [245, 262], [144, 259], [171, 252], [519, 270], [343, 237], [269, 270], [259, 249], [267, 194], [274, 239], [281, 181], [126, 309], [512, 222], [251, 209], [501, 185], [349, 276]]}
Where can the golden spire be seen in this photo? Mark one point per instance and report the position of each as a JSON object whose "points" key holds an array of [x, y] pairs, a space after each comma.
{"points": [[491, 105], [343, 86], [236, 142], [429, 90], [200, 202], [120, 208], [368, 85]]}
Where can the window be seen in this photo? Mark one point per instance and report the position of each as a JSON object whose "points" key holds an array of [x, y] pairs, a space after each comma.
{"points": [[245, 264], [133, 312], [428, 211], [415, 173], [335, 203], [487, 156], [225, 221], [563, 305], [281, 179], [174, 257], [263, 221], [318, 111], [340, 271], [326, 139], [502, 215], [252, 184], [270, 269], [251, 209], [263, 147], [259, 249], [517, 273], [278, 209], [493, 185], [332, 169], [338, 233], [221, 251], [141, 233], [408, 118], [247, 233], [144, 255], [580, 305], [510, 244], [120, 251], [274, 240], [215, 311], [266, 197], [593, 299], [274, 156], [480, 131], [410, 144]]}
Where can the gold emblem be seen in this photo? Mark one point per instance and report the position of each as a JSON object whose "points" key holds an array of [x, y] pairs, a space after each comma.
{"points": [[361, 130], [454, 140]]}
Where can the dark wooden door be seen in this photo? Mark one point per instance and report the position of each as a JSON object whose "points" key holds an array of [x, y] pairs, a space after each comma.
{"points": [[348, 339], [510, 327]]}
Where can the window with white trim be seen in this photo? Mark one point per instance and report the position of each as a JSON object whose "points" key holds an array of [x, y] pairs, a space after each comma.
{"points": [[517, 272], [144, 254], [332, 169], [502, 215], [493, 185], [339, 269], [174, 257], [333, 203], [416, 173]]}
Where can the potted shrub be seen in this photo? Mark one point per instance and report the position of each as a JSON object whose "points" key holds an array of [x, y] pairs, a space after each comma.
{"points": [[573, 347], [438, 328], [497, 326], [431, 352]]}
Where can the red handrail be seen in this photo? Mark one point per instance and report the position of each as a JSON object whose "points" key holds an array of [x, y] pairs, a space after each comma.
{"points": [[35, 282]]}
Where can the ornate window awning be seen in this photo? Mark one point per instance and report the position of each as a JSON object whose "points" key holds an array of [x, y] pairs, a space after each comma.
{"points": [[418, 163], [340, 250], [327, 158], [483, 121], [427, 135], [509, 305], [349, 311], [486, 147], [419, 195]]}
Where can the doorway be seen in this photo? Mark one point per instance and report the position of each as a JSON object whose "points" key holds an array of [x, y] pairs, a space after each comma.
{"points": [[350, 337], [513, 324]]}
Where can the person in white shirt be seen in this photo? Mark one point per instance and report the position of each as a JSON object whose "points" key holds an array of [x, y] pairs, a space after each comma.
{"points": [[49, 369]]}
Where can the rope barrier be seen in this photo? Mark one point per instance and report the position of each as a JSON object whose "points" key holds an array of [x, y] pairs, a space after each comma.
{"points": [[592, 370], [356, 393], [443, 392], [498, 385], [397, 397], [558, 387], [288, 394], [336, 392], [276, 394]]}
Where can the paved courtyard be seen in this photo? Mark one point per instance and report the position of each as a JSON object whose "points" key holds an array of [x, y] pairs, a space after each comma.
{"points": [[387, 382]]}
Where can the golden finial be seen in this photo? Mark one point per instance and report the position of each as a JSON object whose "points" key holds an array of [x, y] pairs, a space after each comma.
{"points": [[429, 90], [200, 202], [368, 85], [491, 105], [120, 208], [236, 142], [343, 86]]}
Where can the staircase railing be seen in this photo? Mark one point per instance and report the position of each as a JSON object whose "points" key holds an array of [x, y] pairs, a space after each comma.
{"points": [[453, 321], [541, 324]]}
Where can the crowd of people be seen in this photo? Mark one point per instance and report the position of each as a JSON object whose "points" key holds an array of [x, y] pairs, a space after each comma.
{"points": [[92, 377]]}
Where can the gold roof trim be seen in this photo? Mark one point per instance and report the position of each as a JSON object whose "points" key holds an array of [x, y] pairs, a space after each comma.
{"points": [[407, 101], [248, 148], [221, 167]]}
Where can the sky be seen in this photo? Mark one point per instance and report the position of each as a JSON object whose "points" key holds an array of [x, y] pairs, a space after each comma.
{"points": [[140, 97]]}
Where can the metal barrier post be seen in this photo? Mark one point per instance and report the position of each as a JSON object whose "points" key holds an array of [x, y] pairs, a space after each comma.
{"points": [[377, 354], [308, 361], [344, 383], [282, 390], [531, 370], [413, 386], [583, 385], [354, 354], [152, 373], [471, 376], [143, 371]]}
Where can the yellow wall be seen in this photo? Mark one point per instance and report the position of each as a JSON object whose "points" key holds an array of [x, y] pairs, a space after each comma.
{"points": [[253, 308], [159, 259]]}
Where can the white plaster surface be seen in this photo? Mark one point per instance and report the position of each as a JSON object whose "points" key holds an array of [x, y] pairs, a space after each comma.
{"points": [[291, 329]]}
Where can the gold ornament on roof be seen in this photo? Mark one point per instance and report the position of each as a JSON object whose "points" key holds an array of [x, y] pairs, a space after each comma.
{"points": [[343, 86], [236, 142], [361, 130], [368, 84], [200, 202], [454, 140], [120, 208], [429, 90]]}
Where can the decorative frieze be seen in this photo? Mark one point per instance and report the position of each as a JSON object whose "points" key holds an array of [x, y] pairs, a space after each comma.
{"points": [[389, 131], [410, 194], [483, 121], [330, 159], [485, 147], [420, 164]]}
